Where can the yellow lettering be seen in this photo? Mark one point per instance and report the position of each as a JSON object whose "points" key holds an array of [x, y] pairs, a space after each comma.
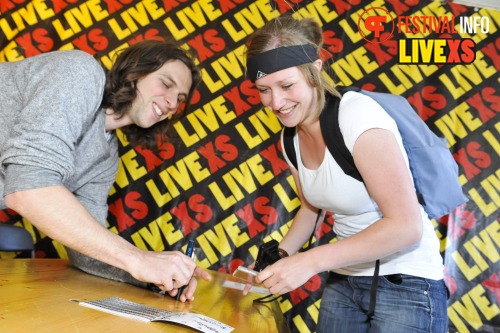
{"points": [[468, 307], [238, 237], [452, 123]]}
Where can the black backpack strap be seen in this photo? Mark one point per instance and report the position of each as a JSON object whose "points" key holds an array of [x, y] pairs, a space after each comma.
{"points": [[288, 134], [330, 128], [329, 122]]}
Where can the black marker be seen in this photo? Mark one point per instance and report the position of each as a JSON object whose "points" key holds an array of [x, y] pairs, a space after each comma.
{"points": [[189, 253]]}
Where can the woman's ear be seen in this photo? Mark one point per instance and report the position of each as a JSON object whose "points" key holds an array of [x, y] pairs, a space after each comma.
{"points": [[318, 64]]}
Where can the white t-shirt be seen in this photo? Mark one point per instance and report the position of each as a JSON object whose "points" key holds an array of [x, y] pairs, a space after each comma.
{"points": [[329, 188]]}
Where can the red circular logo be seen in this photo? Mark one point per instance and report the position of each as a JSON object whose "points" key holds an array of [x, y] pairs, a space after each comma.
{"points": [[373, 22]]}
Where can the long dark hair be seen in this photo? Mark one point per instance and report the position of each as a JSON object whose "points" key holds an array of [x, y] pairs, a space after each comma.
{"points": [[134, 63]]}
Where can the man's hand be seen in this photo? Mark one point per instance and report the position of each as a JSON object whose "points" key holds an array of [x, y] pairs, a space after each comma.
{"points": [[188, 292]]}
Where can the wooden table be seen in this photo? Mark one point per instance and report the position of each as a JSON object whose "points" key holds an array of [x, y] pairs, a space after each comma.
{"points": [[41, 295]]}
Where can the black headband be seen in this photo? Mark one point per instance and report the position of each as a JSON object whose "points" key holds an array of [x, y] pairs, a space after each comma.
{"points": [[279, 58]]}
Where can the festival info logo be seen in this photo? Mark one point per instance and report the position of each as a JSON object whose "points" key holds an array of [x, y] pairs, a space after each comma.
{"points": [[415, 44]]}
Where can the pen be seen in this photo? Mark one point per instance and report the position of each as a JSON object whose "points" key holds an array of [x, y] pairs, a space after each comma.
{"points": [[189, 253]]}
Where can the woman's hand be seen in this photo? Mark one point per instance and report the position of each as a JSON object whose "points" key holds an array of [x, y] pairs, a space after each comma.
{"points": [[286, 274]]}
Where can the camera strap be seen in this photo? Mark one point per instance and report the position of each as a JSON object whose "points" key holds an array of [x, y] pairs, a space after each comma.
{"points": [[269, 298], [309, 244], [374, 286], [266, 299]]}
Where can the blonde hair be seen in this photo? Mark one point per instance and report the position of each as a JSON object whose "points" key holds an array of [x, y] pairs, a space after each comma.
{"points": [[287, 31]]}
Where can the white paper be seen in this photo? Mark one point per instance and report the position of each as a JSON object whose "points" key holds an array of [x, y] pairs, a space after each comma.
{"points": [[124, 308]]}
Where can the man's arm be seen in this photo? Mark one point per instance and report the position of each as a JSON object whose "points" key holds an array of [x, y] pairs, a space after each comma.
{"points": [[56, 212]]}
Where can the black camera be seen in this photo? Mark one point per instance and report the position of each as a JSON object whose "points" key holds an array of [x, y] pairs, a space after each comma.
{"points": [[268, 255]]}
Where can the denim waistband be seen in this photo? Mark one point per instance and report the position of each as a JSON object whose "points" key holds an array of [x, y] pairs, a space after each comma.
{"points": [[394, 278]]}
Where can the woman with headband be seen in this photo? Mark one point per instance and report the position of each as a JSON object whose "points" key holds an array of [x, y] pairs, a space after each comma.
{"points": [[379, 220]]}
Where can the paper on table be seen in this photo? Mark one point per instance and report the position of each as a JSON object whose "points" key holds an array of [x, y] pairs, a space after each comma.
{"points": [[122, 307]]}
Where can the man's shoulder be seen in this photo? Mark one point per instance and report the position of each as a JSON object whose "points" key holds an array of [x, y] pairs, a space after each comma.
{"points": [[76, 61]]}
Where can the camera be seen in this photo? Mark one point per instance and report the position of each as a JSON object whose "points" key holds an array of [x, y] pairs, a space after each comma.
{"points": [[268, 254]]}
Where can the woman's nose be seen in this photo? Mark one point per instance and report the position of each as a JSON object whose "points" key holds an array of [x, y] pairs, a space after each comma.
{"points": [[277, 100]]}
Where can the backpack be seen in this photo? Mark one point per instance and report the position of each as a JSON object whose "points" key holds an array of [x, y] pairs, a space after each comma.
{"points": [[434, 171]]}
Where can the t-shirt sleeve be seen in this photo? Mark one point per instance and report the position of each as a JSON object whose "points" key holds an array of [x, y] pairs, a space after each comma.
{"points": [[359, 113]]}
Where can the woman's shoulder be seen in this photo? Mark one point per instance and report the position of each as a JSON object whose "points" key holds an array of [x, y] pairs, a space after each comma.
{"points": [[359, 113]]}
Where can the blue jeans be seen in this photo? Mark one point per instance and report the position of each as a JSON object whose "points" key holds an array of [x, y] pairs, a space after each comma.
{"points": [[404, 304]]}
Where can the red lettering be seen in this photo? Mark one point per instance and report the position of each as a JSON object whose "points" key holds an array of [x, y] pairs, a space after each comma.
{"points": [[477, 102], [229, 151], [182, 214], [214, 162], [277, 163], [451, 283], [489, 95], [195, 204], [235, 263], [285, 6], [171, 4], [398, 6], [45, 43], [333, 44], [380, 55], [26, 43], [423, 111], [7, 5], [470, 169], [151, 160], [492, 283], [204, 212], [253, 225], [481, 158], [196, 97], [240, 106], [491, 52], [3, 216], [59, 6], [313, 284], [139, 209], [100, 42], [468, 54], [217, 43], [456, 9], [298, 295], [149, 34], [325, 227], [40, 37], [202, 51], [268, 212], [438, 101], [227, 5], [342, 6], [113, 6], [463, 219], [123, 221], [453, 48], [248, 89]]}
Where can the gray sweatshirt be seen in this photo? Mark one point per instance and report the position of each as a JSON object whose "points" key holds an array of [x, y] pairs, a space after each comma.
{"points": [[52, 133]]}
